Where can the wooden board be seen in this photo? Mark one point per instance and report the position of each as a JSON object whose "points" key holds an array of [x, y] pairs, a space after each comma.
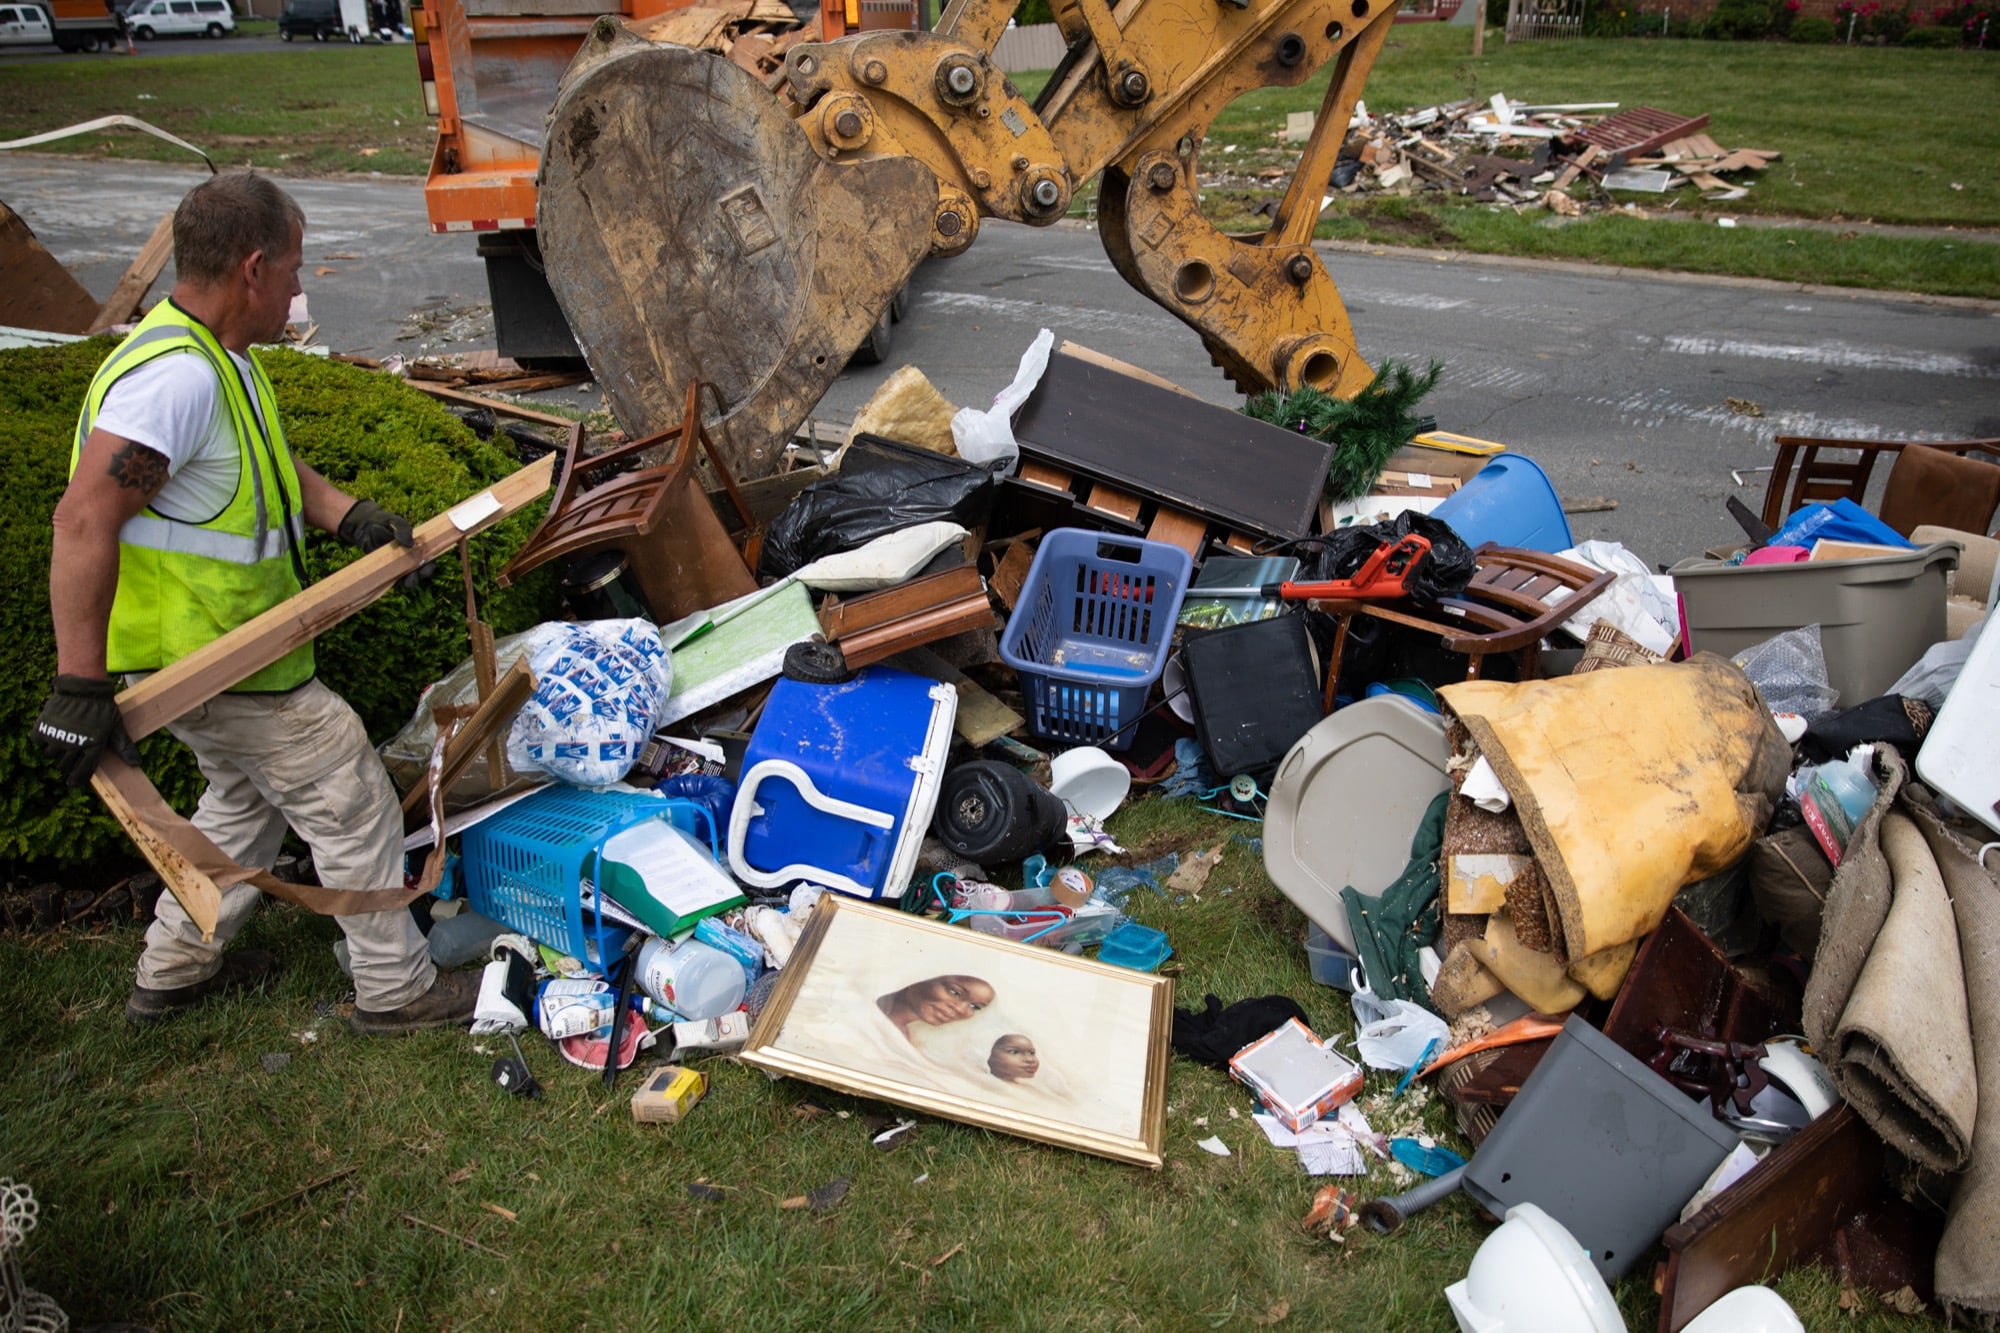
{"points": [[1207, 460], [982, 718], [496, 710], [138, 279], [36, 291]]}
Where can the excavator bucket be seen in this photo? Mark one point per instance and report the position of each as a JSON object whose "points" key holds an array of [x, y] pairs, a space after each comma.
{"points": [[692, 233]]}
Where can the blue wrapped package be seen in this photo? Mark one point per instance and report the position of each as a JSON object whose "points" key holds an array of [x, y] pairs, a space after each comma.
{"points": [[1841, 521], [600, 686]]}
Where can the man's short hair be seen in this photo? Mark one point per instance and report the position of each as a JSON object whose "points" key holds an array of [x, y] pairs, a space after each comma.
{"points": [[225, 219]]}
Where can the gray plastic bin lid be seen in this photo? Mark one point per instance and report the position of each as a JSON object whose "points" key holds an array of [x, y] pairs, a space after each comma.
{"points": [[1603, 1145], [1346, 801]]}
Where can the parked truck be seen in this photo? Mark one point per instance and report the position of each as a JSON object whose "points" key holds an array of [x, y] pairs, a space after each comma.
{"points": [[73, 25], [489, 70]]}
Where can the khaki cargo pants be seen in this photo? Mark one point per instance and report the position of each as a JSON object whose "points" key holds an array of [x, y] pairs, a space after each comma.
{"points": [[300, 758]]}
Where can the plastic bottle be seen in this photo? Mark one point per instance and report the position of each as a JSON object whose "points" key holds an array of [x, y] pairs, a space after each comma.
{"points": [[690, 979]]}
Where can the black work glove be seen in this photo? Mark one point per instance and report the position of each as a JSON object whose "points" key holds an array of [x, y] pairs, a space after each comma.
{"points": [[79, 720], [368, 525]]}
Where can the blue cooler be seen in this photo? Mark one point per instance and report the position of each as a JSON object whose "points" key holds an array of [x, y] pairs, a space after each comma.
{"points": [[839, 782]]}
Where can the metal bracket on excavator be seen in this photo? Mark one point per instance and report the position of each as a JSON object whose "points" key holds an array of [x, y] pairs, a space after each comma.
{"points": [[695, 226]]}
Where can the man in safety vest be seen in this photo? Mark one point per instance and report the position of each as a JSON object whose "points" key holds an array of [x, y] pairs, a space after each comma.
{"points": [[184, 517]]}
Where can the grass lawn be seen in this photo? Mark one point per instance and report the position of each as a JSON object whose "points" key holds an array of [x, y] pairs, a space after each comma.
{"points": [[307, 112], [167, 1163]]}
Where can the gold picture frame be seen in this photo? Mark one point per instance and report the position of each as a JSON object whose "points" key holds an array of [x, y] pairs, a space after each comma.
{"points": [[975, 1028]]}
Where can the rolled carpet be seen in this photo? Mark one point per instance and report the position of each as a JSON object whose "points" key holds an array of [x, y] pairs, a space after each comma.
{"points": [[1902, 1051], [1968, 1258]]}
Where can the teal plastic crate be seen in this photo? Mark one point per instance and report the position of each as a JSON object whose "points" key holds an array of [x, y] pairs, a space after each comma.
{"points": [[524, 866]]}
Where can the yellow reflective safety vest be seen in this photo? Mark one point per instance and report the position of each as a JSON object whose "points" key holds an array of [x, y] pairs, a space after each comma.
{"points": [[183, 584]]}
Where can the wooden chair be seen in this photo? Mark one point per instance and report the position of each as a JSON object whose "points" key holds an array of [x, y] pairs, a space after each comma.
{"points": [[1934, 483], [1503, 610], [658, 516]]}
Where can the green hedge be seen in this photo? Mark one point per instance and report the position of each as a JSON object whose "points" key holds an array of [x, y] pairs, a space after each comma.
{"points": [[1811, 31], [1932, 38], [371, 435]]}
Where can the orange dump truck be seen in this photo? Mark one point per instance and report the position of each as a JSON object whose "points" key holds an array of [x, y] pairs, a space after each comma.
{"points": [[489, 70]]}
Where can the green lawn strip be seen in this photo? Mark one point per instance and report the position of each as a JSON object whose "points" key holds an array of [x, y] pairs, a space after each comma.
{"points": [[145, 1149], [1837, 258], [357, 108]]}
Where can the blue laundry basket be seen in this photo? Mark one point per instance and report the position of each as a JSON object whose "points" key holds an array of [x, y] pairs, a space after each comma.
{"points": [[1091, 630]]}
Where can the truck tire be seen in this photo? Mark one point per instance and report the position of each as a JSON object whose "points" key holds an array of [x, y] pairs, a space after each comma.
{"points": [[900, 306], [875, 350], [143, 32], [284, 34]]}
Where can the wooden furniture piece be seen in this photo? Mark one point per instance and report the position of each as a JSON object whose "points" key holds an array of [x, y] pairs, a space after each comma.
{"points": [[1503, 610], [1923, 487], [1105, 445], [923, 610], [657, 515]]}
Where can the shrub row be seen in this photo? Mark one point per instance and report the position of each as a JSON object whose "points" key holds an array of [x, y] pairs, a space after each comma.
{"points": [[371, 435]]}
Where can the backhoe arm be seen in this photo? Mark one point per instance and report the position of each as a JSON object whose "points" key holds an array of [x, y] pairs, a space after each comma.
{"points": [[697, 228]]}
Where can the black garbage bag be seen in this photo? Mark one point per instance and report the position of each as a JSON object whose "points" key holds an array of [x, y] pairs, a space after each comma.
{"points": [[1443, 573], [881, 487]]}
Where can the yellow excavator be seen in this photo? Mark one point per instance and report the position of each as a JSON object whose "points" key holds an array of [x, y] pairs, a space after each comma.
{"points": [[695, 227]]}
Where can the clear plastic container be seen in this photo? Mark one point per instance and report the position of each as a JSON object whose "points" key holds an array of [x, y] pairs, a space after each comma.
{"points": [[690, 979]]}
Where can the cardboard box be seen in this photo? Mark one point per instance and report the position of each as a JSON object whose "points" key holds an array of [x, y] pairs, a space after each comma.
{"points": [[712, 1036], [1298, 1079], [669, 1093]]}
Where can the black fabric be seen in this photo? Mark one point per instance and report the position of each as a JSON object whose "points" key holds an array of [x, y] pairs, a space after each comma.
{"points": [[1215, 1033], [1445, 572], [80, 719], [1891, 718], [881, 487]]}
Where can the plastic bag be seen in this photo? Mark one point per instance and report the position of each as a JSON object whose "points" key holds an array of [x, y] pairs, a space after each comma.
{"points": [[1789, 671], [1933, 675], [1634, 604], [988, 437], [1393, 1034], [880, 488], [601, 686], [1841, 521], [408, 753], [1443, 573]]}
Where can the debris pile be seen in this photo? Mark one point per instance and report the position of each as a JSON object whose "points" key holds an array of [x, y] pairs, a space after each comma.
{"points": [[1512, 153], [822, 771]]}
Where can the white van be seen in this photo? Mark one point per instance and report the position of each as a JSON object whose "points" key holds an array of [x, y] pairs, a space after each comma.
{"points": [[25, 25], [166, 18]]}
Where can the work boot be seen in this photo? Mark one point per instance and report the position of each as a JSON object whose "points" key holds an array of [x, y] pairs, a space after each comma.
{"points": [[246, 969], [448, 1003]]}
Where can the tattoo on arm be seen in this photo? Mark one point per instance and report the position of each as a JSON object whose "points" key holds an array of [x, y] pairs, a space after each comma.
{"points": [[135, 467]]}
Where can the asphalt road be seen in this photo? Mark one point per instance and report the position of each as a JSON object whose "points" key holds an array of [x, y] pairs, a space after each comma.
{"points": [[1619, 384]]}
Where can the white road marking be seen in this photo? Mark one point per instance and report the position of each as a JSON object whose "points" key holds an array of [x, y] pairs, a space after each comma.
{"points": [[1842, 356]]}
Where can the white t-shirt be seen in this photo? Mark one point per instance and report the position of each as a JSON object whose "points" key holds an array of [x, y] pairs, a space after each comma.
{"points": [[174, 406]]}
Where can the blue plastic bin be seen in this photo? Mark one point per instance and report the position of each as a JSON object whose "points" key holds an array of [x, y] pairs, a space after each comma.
{"points": [[524, 865], [1510, 502], [1091, 630]]}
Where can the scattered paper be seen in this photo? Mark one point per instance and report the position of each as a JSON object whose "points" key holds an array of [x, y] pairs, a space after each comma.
{"points": [[1214, 1145]]}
